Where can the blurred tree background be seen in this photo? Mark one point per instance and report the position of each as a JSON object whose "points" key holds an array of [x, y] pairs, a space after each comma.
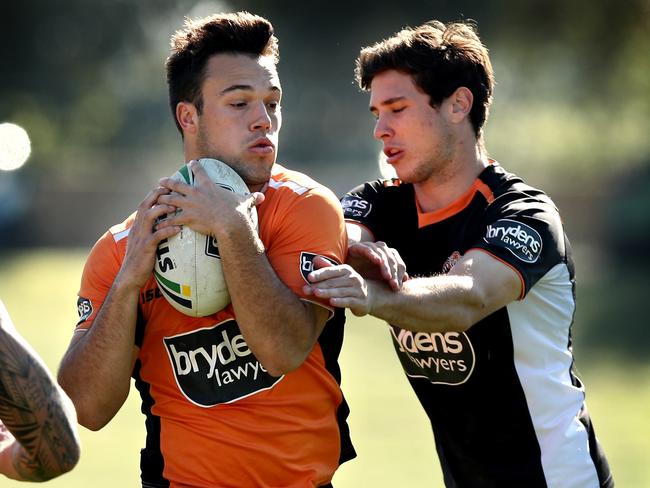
{"points": [[571, 115]]}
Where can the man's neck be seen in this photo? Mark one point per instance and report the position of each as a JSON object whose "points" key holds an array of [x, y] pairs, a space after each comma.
{"points": [[442, 189]]}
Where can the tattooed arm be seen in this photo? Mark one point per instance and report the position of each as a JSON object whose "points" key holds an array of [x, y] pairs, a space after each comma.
{"points": [[38, 434]]}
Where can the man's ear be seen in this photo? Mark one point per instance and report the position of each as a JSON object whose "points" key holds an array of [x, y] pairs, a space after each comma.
{"points": [[188, 117], [461, 102]]}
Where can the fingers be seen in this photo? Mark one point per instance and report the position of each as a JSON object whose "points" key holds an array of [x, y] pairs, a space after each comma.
{"points": [[387, 261], [397, 267], [329, 272], [200, 174], [320, 262], [152, 198], [172, 185], [341, 285], [258, 198]]}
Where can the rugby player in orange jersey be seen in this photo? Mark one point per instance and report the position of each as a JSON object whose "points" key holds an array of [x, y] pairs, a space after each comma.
{"points": [[248, 396]]}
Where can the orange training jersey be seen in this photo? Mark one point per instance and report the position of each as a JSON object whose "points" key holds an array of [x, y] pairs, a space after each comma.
{"points": [[214, 416]]}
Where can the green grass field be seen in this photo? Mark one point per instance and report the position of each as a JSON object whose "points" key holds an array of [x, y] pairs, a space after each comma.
{"points": [[391, 433]]}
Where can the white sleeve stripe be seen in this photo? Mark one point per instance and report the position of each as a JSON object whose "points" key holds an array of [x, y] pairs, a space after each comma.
{"points": [[292, 185], [121, 235]]}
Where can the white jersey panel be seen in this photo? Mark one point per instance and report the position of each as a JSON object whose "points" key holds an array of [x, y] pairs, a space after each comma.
{"points": [[541, 322]]}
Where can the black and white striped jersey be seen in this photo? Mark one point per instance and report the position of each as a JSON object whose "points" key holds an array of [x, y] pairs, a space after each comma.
{"points": [[505, 405]]}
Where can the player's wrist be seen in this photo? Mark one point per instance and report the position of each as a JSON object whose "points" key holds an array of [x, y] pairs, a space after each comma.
{"points": [[127, 283]]}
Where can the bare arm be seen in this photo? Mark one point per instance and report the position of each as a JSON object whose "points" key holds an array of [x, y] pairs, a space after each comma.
{"points": [[96, 369], [97, 366], [38, 436], [279, 327], [475, 287]]}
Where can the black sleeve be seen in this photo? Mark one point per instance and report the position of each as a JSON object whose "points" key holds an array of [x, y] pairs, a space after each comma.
{"points": [[361, 204], [526, 233]]}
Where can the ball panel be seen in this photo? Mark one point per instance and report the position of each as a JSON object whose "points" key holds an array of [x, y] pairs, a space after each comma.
{"points": [[188, 265]]}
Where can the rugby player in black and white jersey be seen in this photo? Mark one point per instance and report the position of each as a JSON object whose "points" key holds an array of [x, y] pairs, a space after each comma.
{"points": [[483, 325]]}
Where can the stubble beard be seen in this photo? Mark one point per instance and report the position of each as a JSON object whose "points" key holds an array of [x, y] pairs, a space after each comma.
{"points": [[438, 166], [249, 171]]}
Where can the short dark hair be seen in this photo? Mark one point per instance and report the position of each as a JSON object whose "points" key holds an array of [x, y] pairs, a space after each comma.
{"points": [[192, 46], [440, 58]]}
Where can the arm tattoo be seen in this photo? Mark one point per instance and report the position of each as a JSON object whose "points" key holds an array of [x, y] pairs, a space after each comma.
{"points": [[33, 410]]}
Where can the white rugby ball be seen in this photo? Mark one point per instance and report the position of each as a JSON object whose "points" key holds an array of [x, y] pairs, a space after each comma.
{"points": [[188, 266]]}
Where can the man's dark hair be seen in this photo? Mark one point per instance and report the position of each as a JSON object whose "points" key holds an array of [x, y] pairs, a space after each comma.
{"points": [[440, 58], [192, 47]]}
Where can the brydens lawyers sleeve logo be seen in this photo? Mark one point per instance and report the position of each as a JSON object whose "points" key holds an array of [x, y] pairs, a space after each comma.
{"points": [[354, 207], [214, 365], [445, 358], [520, 239]]}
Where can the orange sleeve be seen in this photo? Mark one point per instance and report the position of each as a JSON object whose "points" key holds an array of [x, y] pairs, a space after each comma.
{"points": [[99, 272], [312, 224]]}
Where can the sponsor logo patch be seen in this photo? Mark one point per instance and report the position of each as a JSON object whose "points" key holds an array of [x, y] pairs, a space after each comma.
{"points": [[214, 365], [84, 308], [307, 263], [445, 358], [355, 207], [520, 239]]}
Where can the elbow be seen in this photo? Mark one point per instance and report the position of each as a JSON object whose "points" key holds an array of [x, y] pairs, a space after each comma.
{"points": [[91, 412], [281, 361], [279, 366], [65, 464], [92, 424], [71, 458]]}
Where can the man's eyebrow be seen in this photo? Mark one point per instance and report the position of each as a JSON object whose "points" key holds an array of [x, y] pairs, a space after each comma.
{"points": [[232, 88], [389, 101]]}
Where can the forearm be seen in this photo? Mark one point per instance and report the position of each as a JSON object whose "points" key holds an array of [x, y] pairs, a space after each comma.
{"points": [[96, 369], [279, 328], [38, 415], [437, 304]]}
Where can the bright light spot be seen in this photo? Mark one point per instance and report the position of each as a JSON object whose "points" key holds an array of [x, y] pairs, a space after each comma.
{"points": [[14, 146]]}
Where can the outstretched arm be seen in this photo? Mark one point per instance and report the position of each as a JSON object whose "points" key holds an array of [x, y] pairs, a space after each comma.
{"points": [[38, 436], [476, 286]]}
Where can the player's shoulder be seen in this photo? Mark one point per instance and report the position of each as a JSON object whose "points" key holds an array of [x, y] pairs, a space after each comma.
{"points": [[507, 188], [110, 248], [113, 242], [120, 232], [296, 185]]}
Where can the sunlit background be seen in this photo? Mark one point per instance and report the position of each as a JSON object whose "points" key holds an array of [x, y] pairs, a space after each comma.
{"points": [[86, 131]]}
